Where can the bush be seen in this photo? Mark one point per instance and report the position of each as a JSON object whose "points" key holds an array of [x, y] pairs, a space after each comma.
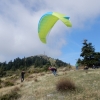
{"points": [[37, 70], [12, 95], [8, 83], [0, 86], [2, 73], [0, 81], [65, 84], [45, 68], [35, 79]]}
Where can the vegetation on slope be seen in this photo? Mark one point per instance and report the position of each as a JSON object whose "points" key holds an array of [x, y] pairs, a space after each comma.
{"points": [[39, 61], [43, 86]]}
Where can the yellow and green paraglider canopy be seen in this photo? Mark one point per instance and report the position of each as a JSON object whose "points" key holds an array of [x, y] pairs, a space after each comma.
{"points": [[47, 21]]}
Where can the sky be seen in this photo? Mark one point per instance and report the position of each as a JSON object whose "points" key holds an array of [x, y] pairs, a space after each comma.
{"points": [[19, 28]]}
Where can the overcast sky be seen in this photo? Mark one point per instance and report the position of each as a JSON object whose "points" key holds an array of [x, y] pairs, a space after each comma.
{"points": [[19, 23]]}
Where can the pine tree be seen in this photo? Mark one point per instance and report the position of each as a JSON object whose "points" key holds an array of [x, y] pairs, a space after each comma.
{"points": [[87, 52]]}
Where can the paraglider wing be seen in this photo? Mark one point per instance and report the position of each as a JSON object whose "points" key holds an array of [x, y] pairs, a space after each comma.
{"points": [[47, 21]]}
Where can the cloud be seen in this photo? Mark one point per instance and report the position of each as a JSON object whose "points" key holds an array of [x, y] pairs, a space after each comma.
{"points": [[79, 11], [19, 24]]}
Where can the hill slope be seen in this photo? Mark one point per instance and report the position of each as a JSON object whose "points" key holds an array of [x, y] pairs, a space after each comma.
{"points": [[24, 63], [42, 86]]}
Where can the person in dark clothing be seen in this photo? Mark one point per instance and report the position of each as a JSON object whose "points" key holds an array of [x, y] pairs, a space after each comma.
{"points": [[22, 76], [54, 70]]}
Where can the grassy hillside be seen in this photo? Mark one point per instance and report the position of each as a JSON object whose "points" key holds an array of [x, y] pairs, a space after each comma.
{"points": [[42, 86]]}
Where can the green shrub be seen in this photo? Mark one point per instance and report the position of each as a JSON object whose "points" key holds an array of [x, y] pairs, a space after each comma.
{"points": [[45, 68], [37, 70], [65, 84], [8, 83], [12, 95], [9, 73], [0, 81], [0, 86]]}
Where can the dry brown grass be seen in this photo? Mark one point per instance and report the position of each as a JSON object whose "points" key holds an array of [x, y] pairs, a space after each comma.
{"points": [[36, 80], [64, 73], [11, 95], [87, 86], [16, 88], [21, 85], [42, 74], [31, 77]]}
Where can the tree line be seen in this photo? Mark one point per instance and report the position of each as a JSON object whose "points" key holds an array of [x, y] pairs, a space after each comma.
{"points": [[24, 63]]}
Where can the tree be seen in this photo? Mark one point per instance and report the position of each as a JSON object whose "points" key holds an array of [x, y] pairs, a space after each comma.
{"points": [[97, 58], [60, 63], [2, 72], [87, 52], [79, 61]]}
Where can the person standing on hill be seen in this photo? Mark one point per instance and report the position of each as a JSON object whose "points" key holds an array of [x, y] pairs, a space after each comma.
{"points": [[22, 76], [76, 65], [54, 70]]}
